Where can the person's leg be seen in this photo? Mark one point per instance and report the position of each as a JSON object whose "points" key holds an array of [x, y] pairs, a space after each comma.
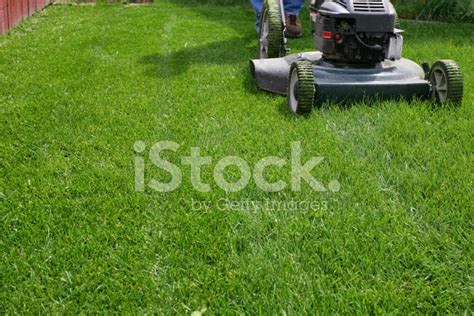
{"points": [[293, 23], [258, 5], [293, 7]]}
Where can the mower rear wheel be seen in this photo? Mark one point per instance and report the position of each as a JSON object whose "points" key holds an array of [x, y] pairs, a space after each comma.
{"points": [[447, 82], [301, 87], [271, 40]]}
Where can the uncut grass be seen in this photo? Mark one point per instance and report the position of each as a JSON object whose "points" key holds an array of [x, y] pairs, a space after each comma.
{"points": [[79, 85], [440, 10]]}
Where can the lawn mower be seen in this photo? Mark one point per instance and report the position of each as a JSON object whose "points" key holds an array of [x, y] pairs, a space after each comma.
{"points": [[359, 56]]}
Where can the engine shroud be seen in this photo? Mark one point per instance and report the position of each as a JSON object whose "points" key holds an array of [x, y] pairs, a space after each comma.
{"points": [[355, 31]]}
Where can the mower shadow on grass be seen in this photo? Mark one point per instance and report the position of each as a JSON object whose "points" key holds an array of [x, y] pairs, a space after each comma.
{"points": [[347, 105], [175, 63]]}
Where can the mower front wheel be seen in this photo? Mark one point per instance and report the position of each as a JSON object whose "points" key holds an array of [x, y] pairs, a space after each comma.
{"points": [[301, 87], [447, 82]]}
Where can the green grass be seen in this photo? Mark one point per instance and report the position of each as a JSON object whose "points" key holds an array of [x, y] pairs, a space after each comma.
{"points": [[79, 85], [440, 10]]}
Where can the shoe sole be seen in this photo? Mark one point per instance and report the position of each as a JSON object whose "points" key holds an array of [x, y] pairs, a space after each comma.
{"points": [[292, 35]]}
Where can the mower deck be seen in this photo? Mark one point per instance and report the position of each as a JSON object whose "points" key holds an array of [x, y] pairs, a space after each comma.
{"points": [[387, 80]]}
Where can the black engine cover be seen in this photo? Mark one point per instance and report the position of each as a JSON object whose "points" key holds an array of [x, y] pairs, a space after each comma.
{"points": [[353, 31]]}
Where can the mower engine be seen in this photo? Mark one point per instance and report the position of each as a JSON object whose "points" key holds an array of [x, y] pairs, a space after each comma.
{"points": [[356, 31]]}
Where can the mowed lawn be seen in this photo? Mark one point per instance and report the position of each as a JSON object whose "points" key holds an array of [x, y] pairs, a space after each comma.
{"points": [[79, 85]]}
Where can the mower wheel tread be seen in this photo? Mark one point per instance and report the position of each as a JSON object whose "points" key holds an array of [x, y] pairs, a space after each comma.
{"points": [[306, 86], [455, 80], [276, 40]]}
